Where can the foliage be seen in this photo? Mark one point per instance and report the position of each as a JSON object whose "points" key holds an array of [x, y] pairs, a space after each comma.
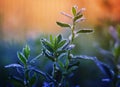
{"points": [[59, 51], [113, 55]]}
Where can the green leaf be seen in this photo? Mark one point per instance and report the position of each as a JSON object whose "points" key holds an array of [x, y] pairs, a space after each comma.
{"points": [[21, 58], [49, 56], [74, 11], [26, 51], [77, 17], [117, 51], [33, 79], [67, 63], [59, 38], [55, 43], [61, 43], [63, 24], [61, 65], [51, 39], [47, 45], [84, 31]]}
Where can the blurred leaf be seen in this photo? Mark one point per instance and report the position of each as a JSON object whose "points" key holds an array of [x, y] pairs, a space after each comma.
{"points": [[63, 24], [26, 51], [51, 39], [116, 51], [61, 43], [48, 55], [118, 31], [33, 79], [13, 66], [59, 38], [67, 63], [84, 31], [47, 45], [108, 70], [73, 69], [21, 58], [61, 65], [74, 64], [70, 47], [74, 11], [66, 45], [77, 17]]}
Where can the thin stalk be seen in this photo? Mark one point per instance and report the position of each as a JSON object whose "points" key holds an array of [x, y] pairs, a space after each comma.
{"points": [[72, 32]]}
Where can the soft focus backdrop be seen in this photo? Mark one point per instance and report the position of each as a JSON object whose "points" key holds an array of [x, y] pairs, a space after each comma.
{"points": [[27, 18], [26, 21]]}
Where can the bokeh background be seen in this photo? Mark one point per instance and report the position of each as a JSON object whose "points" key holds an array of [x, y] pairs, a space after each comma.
{"points": [[26, 21]]}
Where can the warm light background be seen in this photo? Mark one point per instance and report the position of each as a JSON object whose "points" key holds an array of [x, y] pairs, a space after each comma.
{"points": [[25, 18]]}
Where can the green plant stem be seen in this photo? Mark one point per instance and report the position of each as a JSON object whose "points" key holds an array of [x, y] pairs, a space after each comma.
{"points": [[62, 79], [72, 32], [26, 74], [33, 60]]}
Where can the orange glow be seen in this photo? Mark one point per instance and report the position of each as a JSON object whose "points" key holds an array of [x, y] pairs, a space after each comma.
{"points": [[30, 17]]}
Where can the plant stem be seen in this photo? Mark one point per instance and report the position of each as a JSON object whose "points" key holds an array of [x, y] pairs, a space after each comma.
{"points": [[72, 32]]}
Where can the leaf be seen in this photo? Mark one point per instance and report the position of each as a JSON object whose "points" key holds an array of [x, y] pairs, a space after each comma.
{"points": [[74, 11], [63, 24], [21, 58], [116, 51], [67, 63], [61, 65], [74, 64], [48, 55], [61, 43], [13, 66], [26, 51], [77, 17], [107, 70], [66, 45], [55, 43], [47, 45], [59, 38], [70, 47], [51, 39], [33, 79], [84, 31]]}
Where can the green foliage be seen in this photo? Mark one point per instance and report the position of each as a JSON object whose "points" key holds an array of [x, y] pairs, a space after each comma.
{"points": [[113, 71], [59, 51], [84, 31], [74, 11], [63, 24], [22, 58]]}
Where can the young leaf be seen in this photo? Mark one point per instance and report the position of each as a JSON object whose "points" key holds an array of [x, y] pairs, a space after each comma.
{"points": [[63, 24], [61, 43], [13, 66], [84, 31], [61, 65], [26, 51], [59, 38], [33, 79], [48, 55], [47, 45], [77, 17], [22, 58], [51, 39], [74, 11]]}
